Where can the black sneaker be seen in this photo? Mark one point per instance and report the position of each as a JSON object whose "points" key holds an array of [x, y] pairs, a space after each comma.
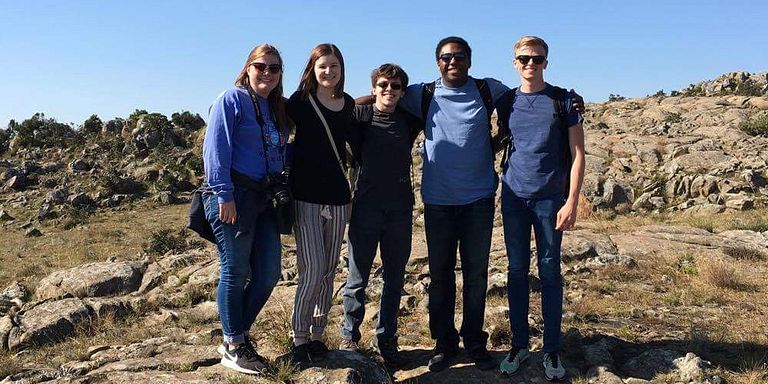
{"points": [[242, 359], [317, 348], [483, 360], [388, 351], [300, 354], [441, 360]]}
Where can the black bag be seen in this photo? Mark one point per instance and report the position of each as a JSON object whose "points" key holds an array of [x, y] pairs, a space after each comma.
{"points": [[197, 220], [286, 216]]}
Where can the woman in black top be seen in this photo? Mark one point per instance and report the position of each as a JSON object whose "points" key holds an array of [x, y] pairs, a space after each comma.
{"points": [[320, 188]]}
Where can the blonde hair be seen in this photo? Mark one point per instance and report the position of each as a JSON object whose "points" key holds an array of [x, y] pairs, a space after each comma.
{"points": [[531, 41], [276, 100]]}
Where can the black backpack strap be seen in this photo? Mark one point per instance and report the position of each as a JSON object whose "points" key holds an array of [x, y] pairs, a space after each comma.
{"points": [[561, 114], [503, 112], [427, 93], [485, 94]]}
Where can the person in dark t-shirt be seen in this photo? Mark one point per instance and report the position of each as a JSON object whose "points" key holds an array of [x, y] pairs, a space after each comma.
{"points": [[381, 209], [540, 190]]}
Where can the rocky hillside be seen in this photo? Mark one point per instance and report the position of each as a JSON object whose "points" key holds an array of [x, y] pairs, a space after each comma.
{"points": [[665, 273]]}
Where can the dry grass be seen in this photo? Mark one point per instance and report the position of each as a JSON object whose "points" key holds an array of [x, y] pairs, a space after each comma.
{"points": [[119, 233], [722, 275]]}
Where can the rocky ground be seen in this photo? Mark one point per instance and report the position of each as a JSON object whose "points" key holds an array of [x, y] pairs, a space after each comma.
{"points": [[664, 273]]}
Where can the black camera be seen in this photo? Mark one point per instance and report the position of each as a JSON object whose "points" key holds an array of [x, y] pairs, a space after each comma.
{"points": [[276, 184]]}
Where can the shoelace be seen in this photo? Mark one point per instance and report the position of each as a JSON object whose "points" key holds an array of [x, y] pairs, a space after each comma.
{"points": [[552, 357], [246, 350]]}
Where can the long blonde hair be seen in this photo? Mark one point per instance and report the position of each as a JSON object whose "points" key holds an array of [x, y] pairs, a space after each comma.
{"points": [[276, 99]]}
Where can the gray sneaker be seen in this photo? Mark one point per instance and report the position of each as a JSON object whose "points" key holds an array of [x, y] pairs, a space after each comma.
{"points": [[511, 363], [243, 359], [553, 367]]}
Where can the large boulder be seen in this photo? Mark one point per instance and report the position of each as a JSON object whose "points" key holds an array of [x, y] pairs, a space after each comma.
{"points": [[46, 323], [93, 280], [344, 367], [6, 325]]}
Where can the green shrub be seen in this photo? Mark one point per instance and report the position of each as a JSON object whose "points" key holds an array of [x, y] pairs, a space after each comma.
{"points": [[92, 126], [672, 117], [39, 131], [166, 240], [187, 120], [616, 97], [756, 125]]}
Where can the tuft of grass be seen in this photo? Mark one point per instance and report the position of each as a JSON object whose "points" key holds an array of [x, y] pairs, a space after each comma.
{"points": [[166, 240], [283, 372], [686, 264], [275, 326], [744, 253], [722, 275], [9, 365]]}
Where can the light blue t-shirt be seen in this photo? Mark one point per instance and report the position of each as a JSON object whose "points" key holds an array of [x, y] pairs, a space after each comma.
{"points": [[538, 160], [456, 153]]}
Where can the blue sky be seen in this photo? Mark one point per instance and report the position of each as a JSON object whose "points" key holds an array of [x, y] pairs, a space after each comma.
{"points": [[70, 59]]}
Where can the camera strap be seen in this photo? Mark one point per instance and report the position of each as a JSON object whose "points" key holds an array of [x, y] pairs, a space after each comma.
{"points": [[260, 121]]}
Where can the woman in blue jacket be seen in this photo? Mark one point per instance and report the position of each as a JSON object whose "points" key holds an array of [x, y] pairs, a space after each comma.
{"points": [[244, 148]]}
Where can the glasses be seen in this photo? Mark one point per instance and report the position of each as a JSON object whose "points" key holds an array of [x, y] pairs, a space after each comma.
{"points": [[394, 86], [524, 59], [273, 68], [447, 57]]}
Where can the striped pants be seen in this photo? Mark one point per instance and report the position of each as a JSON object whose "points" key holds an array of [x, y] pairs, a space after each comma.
{"points": [[319, 232]]}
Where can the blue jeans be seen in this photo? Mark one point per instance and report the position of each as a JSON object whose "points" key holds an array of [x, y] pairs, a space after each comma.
{"points": [[520, 215], [466, 227], [250, 266], [391, 230]]}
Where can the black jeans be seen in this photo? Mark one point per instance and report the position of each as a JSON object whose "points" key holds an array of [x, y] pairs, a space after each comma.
{"points": [[466, 227], [390, 230]]}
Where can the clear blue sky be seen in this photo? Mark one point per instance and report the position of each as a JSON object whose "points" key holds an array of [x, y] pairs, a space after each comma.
{"points": [[70, 59]]}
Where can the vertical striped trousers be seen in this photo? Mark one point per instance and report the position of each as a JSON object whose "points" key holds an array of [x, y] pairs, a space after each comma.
{"points": [[319, 232]]}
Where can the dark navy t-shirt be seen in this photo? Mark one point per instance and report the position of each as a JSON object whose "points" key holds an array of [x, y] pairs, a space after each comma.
{"points": [[538, 166]]}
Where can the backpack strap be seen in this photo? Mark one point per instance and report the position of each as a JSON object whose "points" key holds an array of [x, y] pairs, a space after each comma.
{"points": [[503, 112], [561, 114], [485, 94], [427, 93]]}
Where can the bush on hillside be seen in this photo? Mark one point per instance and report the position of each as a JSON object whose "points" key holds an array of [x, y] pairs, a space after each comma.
{"points": [[166, 240], [91, 126], [39, 131], [134, 117], [187, 120], [756, 125], [616, 97]]}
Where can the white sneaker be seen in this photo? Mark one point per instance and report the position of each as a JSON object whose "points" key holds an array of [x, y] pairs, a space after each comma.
{"points": [[511, 363], [553, 367], [242, 359]]}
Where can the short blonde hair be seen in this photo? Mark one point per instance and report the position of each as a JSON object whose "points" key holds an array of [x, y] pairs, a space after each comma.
{"points": [[531, 41]]}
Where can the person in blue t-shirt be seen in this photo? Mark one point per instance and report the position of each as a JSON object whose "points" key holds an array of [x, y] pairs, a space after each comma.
{"points": [[245, 142], [540, 190], [458, 187]]}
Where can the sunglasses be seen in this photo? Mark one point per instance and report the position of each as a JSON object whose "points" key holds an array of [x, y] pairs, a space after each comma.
{"points": [[524, 59], [447, 57], [273, 68], [394, 86]]}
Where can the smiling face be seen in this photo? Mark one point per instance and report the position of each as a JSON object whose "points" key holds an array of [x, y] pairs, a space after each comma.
{"points": [[388, 92], [453, 63], [327, 71], [261, 78], [531, 70]]}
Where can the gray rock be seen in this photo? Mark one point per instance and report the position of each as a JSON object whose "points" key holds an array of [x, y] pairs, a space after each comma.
{"points": [[93, 280], [80, 165], [82, 200], [115, 307], [602, 375], [705, 210], [46, 323], [18, 183], [344, 367], [739, 202], [691, 367], [5, 216], [598, 354], [32, 232], [650, 363], [5, 328], [148, 377], [58, 196], [603, 261]]}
